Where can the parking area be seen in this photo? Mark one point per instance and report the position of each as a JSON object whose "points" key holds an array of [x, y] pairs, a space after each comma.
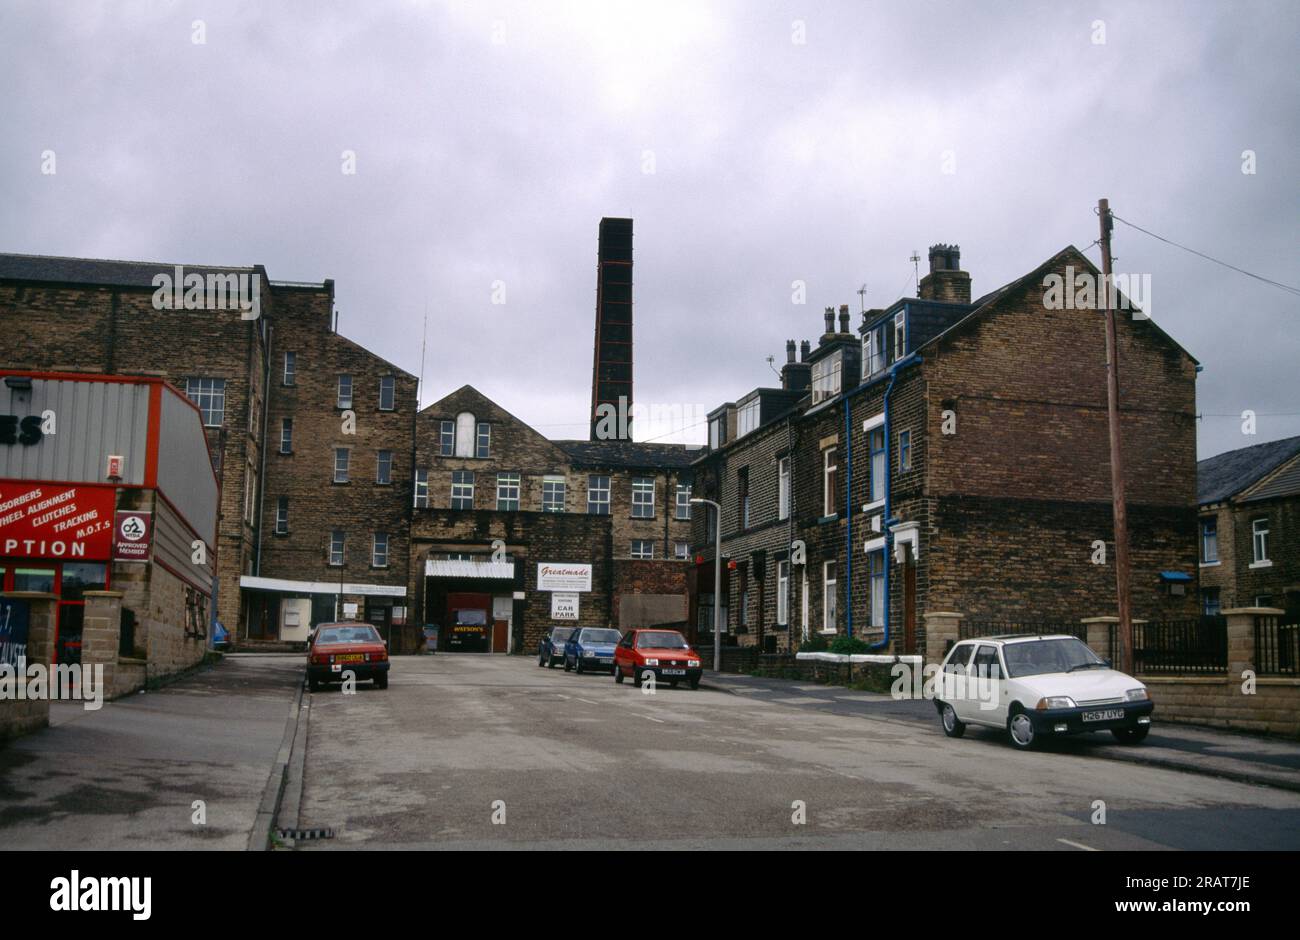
{"points": [[476, 751]]}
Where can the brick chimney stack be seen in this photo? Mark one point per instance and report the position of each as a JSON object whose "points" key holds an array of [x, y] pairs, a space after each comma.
{"points": [[795, 375], [830, 321], [946, 282], [844, 319]]}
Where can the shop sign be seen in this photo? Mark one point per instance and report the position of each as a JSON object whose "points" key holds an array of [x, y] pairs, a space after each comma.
{"points": [[554, 576], [564, 606], [131, 530], [40, 520]]}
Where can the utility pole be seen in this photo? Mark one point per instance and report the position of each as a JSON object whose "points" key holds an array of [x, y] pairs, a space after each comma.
{"points": [[1125, 625]]}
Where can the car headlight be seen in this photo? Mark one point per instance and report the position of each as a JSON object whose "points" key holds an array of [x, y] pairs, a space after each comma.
{"points": [[1056, 701], [652, 662], [589, 653], [693, 663], [1136, 695]]}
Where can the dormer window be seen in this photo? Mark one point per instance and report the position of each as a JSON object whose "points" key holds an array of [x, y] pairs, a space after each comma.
{"points": [[900, 335], [718, 432], [747, 418], [826, 377]]}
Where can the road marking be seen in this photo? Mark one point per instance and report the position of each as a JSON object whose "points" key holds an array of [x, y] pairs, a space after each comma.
{"points": [[660, 720], [588, 701], [1078, 845]]}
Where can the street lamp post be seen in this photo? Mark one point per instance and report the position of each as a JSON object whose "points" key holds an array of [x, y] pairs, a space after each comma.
{"points": [[717, 582]]}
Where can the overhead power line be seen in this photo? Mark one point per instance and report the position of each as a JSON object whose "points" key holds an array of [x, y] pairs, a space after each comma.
{"points": [[1201, 254]]}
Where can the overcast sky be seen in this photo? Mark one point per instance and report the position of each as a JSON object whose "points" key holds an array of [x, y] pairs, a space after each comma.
{"points": [[754, 144]]}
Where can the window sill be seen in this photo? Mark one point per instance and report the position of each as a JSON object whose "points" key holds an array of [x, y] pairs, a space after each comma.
{"points": [[1266, 563], [830, 632], [833, 517], [1210, 564], [872, 507]]}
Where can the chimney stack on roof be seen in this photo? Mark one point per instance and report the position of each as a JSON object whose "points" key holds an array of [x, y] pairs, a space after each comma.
{"points": [[946, 282], [795, 375], [805, 349], [830, 321], [844, 319]]}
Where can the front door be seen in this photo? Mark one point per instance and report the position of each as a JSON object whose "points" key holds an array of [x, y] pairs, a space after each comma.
{"points": [[500, 636]]}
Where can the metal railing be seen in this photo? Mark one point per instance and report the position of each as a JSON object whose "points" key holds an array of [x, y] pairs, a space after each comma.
{"points": [[1178, 647], [973, 629], [1277, 647]]}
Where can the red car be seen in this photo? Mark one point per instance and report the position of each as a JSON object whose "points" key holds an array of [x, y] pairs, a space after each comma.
{"points": [[665, 653], [339, 648]]}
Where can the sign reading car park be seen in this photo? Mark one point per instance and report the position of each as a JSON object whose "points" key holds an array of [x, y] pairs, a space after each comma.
{"points": [[563, 577], [564, 606]]}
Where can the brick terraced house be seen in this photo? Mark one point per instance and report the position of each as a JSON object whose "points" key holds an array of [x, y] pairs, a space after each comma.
{"points": [[953, 456], [1248, 525]]}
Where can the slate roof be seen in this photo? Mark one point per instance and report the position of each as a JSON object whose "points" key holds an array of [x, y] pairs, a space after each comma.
{"points": [[630, 454], [1225, 475], [95, 271]]}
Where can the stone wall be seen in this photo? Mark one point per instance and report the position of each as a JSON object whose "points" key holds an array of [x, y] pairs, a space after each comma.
{"points": [[22, 717]]}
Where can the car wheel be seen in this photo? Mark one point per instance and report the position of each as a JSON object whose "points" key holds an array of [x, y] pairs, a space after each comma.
{"points": [[313, 685], [695, 683], [1134, 735], [953, 726], [1020, 732], [541, 661], [618, 675], [567, 667], [672, 683], [636, 677], [577, 665], [381, 680], [550, 662]]}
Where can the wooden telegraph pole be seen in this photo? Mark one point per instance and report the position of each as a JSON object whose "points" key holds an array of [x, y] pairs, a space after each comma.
{"points": [[1125, 625]]}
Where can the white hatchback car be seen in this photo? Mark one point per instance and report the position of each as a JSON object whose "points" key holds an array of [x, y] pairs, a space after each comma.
{"points": [[1035, 687]]}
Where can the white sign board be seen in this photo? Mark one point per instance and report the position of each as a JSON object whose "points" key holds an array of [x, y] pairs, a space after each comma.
{"points": [[349, 608], [553, 576], [564, 606]]}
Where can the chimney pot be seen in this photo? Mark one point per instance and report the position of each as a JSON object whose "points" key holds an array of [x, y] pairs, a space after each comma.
{"points": [[789, 350], [830, 320], [805, 348], [844, 318]]}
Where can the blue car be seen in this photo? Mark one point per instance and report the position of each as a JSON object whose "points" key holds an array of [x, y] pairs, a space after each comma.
{"points": [[591, 649], [550, 649]]}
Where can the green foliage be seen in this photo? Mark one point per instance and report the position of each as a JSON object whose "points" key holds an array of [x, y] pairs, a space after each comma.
{"points": [[814, 644], [848, 645]]}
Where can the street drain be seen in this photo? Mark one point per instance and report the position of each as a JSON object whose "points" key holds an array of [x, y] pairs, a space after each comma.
{"points": [[305, 835]]}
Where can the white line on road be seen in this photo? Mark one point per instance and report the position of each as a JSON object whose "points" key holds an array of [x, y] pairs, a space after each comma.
{"points": [[1078, 845], [588, 701], [660, 720]]}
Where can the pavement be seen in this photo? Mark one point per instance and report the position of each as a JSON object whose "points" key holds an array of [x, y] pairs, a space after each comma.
{"points": [[127, 776], [468, 752], [1231, 755]]}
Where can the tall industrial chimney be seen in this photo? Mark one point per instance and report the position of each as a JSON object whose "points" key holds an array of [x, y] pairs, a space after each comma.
{"points": [[611, 374]]}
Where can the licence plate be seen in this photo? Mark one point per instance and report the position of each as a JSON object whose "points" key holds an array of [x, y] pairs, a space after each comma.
{"points": [[1108, 714], [350, 658], [607, 660], [673, 672]]}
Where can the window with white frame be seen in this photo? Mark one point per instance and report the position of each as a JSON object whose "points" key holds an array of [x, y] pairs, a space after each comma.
{"points": [[643, 497], [483, 440], [873, 356], [421, 489], [826, 373], [446, 438], [876, 447], [681, 550], [379, 550], [387, 393], [828, 596], [717, 431], [747, 417], [345, 392], [336, 547], [286, 435], [683, 506], [342, 460], [507, 492], [1259, 540], [597, 495], [876, 586], [783, 488], [829, 474], [209, 395], [782, 593], [462, 489], [1209, 540], [384, 467], [553, 493], [643, 548], [900, 335], [1210, 602], [282, 515], [290, 368], [904, 451]]}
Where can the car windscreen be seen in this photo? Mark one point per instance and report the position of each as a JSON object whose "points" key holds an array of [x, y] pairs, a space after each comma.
{"points": [[660, 639], [1038, 657], [600, 636], [561, 634], [361, 634]]}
